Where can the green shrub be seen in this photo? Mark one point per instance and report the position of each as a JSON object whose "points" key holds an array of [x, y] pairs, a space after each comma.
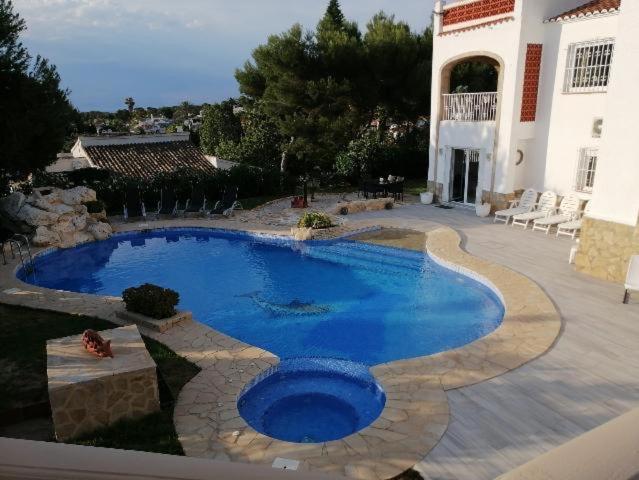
{"points": [[315, 220], [94, 206], [151, 300]]}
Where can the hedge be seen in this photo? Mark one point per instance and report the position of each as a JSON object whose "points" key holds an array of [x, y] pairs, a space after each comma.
{"points": [[110, 187]]}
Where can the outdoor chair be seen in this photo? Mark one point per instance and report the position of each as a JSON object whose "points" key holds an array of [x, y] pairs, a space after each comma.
{"points": [[632, 278], [573, 227], [544, 208], [522, 205], [568, 210], [168, 204], [133, 204], [373, 187], [197, 202], [228, 204], [396, 190]]}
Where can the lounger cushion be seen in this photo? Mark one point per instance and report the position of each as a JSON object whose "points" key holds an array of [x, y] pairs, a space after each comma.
{"points": [[632, 278], [511, 211], [530, 216], [553, 220], [573, 225]]}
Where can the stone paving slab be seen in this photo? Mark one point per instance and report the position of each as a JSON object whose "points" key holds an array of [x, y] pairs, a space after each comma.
{"points": [[416, 413]]}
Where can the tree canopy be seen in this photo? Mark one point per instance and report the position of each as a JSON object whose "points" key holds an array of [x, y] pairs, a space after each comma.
{"points": [[35, 112], [323, 88]]}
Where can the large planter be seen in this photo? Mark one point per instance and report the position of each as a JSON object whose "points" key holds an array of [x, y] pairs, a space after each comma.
{"points": [[426, 197], [161, 325], [482, 209]]}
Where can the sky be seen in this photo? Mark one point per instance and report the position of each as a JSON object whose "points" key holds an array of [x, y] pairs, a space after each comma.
{"points": [[164, 52]]}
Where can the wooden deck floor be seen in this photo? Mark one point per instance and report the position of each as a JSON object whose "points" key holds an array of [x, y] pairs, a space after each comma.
{"points": [[590, 376]]}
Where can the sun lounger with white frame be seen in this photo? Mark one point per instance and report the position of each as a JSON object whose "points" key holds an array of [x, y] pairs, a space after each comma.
{"points": [[573, 227], [522, 205], [632, 278], [568, 210], [544, 208]]}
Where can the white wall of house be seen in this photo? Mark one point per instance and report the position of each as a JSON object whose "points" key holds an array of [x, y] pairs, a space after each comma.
{"points": [[565, 120], [616, 190], [564, 124]]}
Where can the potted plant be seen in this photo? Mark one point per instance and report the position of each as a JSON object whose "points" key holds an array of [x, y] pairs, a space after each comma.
{"points": [[153, 307], [482, 209], [426, 197]]}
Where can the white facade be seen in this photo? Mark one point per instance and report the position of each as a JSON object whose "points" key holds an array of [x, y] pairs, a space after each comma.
{"points": [[556, 150]]}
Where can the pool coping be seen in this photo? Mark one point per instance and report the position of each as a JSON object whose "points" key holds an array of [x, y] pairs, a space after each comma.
{"points": [[416, 413]]}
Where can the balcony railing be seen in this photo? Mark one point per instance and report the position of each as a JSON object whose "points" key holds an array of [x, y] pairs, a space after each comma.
{"points": [[470, 107]]}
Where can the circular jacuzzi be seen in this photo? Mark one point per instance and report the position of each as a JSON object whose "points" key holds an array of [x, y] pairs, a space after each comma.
{"points": [[312, 400]]}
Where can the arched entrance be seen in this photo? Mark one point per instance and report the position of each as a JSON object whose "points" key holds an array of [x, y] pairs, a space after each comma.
{"points": [[469, 104]]}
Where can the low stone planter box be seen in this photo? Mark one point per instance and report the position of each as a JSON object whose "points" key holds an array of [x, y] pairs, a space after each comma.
{"points": [[87, 392], [159, 325]]}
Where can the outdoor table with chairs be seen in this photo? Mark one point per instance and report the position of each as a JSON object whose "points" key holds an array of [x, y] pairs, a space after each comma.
{"points": [[385, 187]]}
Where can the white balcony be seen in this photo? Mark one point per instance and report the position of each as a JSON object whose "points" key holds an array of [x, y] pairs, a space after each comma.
{"points": [[470, 107]]}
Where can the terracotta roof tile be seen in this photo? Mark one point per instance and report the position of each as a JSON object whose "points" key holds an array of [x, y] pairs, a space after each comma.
{"points": [[477, 26], [144, 160], [594, 7]]}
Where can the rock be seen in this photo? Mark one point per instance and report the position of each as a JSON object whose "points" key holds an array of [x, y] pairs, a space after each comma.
{"points": [[81, 209], [36, 217], [12, 204], [59, 216], [302, 234], [82, 237], [44, 237], [42, 203], [78, 195], [70, 223], [100, 231], [100, 216]]}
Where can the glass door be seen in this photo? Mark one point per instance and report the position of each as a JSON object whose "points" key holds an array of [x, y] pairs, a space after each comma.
{"points": [[464, 178], [458, 176]]}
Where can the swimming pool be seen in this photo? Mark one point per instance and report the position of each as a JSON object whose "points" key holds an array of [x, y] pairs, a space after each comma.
{"points": [[332, 299]]}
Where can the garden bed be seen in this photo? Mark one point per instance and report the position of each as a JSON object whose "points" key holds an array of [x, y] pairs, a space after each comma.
{"points": [[24, 381]]}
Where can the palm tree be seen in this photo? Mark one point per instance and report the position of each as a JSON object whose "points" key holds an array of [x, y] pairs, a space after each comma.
{"points": [[130, 103]]}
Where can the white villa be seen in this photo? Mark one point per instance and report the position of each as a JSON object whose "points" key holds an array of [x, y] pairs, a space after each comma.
{"points": [[561, 117]]}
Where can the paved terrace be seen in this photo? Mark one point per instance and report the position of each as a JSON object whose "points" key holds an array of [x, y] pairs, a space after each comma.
{"points": [[588, 377]]}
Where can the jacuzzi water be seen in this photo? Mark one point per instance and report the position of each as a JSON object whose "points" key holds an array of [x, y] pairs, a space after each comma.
{"points": [[313, 400], [337, 299]]}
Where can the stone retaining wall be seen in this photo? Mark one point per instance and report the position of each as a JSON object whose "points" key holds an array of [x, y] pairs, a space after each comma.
{"points": [[87, 392], [605, 249]]}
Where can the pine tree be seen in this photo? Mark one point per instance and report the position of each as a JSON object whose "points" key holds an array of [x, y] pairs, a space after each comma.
{"points": [[36, 112], [334, 14]]}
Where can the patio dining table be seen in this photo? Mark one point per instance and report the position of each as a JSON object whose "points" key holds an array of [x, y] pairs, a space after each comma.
{"points": [[385, 188]]}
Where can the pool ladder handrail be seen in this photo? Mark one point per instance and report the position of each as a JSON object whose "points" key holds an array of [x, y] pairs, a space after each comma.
{"points": [[17, 241]]}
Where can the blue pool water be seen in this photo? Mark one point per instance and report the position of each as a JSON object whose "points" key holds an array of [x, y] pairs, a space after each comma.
{"points": [[337, 299], [313, 400]]}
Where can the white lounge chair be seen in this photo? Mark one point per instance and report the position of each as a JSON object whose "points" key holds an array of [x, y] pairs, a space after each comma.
{"points": [[522, 205], [573, 227], [568, 210], [632, 278], [544, 208]]}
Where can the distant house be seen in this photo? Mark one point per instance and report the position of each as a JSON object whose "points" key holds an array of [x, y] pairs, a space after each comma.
{"points": [[135, 156], [154, 125]]}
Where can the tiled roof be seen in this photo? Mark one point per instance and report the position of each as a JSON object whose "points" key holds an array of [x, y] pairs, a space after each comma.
{"points": [[144, 160], [594, 7], [477, 26]]}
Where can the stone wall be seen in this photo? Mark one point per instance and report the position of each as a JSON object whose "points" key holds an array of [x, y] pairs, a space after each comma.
{"points": [[605, 249], [437, 189], [500, 201]]}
